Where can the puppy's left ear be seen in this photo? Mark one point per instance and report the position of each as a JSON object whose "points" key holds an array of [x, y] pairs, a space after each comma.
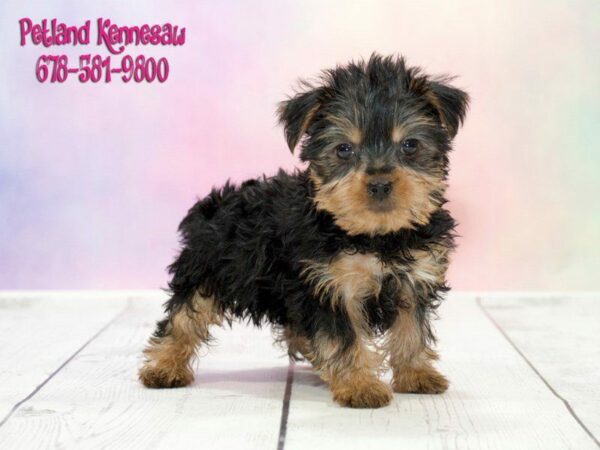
{"points": [[297, 113], [451, 104]]}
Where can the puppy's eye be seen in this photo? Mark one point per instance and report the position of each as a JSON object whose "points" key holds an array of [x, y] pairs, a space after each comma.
{"points": [[409, 146], [344, 151]]}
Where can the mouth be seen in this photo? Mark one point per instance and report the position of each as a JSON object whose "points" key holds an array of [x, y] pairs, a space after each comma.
{"points": [[382, 206]]}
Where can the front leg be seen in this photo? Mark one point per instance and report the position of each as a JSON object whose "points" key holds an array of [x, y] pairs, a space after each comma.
{"points": [[350, 368], [410, 356], [339, 349]]}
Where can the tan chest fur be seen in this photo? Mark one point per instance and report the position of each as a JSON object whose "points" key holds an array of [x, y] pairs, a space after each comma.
{"points": [[351, 277]]}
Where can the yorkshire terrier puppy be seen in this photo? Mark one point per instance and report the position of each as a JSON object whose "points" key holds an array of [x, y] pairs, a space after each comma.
{"points": [[346, 259]]}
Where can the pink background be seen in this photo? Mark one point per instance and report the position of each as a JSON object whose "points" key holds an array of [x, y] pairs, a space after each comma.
{"points": [[95, 178]]}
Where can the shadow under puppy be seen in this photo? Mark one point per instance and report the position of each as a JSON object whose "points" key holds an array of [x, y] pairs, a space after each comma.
{"points": [[346, 259]]}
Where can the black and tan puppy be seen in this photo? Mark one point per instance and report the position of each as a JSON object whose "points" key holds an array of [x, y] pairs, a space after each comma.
{"points": [[347, 259]]}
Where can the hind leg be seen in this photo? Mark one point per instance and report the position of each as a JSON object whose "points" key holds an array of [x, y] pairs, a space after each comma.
{"points": [[297, 346], [172, 347]]}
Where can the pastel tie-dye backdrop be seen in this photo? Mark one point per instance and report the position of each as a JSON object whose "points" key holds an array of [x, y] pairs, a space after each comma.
{"points": [[94, 178]]}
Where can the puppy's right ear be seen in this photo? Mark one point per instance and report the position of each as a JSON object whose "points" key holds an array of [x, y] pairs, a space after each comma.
{"points": [[297, 113]]}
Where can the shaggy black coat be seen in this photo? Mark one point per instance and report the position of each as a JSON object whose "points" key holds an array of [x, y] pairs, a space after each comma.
{"points": [[245, 246]]}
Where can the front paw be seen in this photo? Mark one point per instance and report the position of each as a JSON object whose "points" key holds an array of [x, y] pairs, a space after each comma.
{"points": [[363, 394], [423, 380]]}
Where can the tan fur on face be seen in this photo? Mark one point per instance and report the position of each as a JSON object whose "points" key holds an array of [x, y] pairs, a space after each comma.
{"points": [[397, 134], [348, 200], [400, 131], [168, 358], [342, 130], [355, 135]]}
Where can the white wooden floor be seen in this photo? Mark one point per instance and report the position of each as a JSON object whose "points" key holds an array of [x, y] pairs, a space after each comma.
{"points": [[524, 372]]}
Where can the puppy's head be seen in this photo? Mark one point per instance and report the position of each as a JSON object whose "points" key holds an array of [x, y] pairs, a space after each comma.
{"points": [[376, 136]]}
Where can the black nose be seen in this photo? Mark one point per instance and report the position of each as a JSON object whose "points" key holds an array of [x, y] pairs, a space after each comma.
{"points": [[379, 190]]}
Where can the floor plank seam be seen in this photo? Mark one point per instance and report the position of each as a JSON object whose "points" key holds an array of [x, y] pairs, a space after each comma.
{"points": [[537, 372], [285, 409], [64, 364]]}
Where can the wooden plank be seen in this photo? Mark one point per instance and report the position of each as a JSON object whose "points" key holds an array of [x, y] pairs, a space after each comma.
{"points": [[558, 335], [96, 400], [495, 401], [41, 331]]}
